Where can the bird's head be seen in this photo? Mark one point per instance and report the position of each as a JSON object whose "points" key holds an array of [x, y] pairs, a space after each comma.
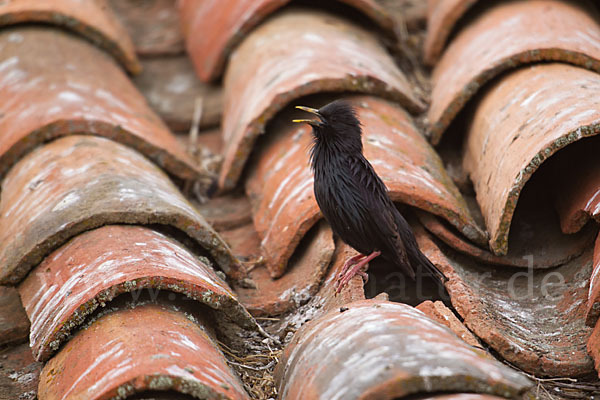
{"points": [[337, 122]]}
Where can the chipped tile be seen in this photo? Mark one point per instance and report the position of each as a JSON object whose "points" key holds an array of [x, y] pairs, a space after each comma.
{"points": [[520, 122], [153, 25], [300, 283], [149, 347], [504, 36], [534, 319], [441, 19], [78, 183], [171, 87], [329, 54], [14, 324], [280, 186], [76, 89], [213, 29], [92, 19], [97, 266], [442, 314], [386, 350], [19, 373]]}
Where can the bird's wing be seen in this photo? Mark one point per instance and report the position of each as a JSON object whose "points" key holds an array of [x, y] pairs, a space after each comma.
{"points": [[382, 224]]}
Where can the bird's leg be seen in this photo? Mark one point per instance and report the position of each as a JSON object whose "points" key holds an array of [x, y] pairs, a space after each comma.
{"points": [[350, 262], [359, 268]]}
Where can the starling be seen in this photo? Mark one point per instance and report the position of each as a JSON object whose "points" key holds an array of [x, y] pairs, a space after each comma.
{"points": [[354, 200]]}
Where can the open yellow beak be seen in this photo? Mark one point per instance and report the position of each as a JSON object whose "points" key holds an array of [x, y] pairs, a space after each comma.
{"points": [[310, 110]]}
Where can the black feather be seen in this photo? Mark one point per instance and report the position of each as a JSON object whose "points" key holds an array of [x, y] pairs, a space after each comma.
{"points": [[353, 198]]}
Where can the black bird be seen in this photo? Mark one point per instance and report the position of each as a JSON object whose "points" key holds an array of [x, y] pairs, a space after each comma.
{"points": [[353, 198]]}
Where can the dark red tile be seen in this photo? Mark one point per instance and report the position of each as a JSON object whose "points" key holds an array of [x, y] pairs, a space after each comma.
{"points": [[97, 266], [266, 74], [551, 247], [153, 25], [227, 212], [534, 319], [593, 347], [92, 19], [14, 324], [19, 373], [77, 89], [438, 311], [214, 29], [78, 183], [504, 36], [522, 120], [380, 349], [280, 186], [171, 87], [267, 296], [149, 347], [441, 19]]}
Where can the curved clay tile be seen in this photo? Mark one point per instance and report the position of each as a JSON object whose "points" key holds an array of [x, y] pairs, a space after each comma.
{"points": [[280, 186], [214, 28], [441, 19], [506, 35], [98, 265], [77, 89], [386, 350], [593, 300], [91, 19], [154, 26], [149, 347], [267, 72], [302, 280], [520, 122], [534, 319], [79, 183]]}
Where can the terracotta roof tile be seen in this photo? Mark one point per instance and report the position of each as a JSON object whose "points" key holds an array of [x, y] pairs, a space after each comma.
{"points": [[92, 19], [171, 87], [442, 314], [386, 350], [81, 182], [153, 25], [82, 275], [442, 17], [593, 300], [519, 123], [77, 89], [132, 350], [535, 319], [503, 36], [213, 29], [19, 373], [336, 56], [14, 325], [265, 296], [280, 186]]}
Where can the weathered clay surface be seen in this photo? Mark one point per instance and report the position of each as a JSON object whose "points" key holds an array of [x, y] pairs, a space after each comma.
{"points": [[593, 301], [504, 36], [442, 314], [92, 19], [153, 25], [97, 266], [171, 87], [213, 28], [14, 325], [149, 347], [280, 185], [463, 396], [77, 89], [386, 350], [19, 373], [520, 122], [226, 212], [441, 19], [78, 183], [329, 55], [535, 319], [593, 346], [300, 283]]}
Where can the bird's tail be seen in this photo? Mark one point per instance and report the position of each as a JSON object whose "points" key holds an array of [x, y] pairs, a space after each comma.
{"points": [[430, 267]]}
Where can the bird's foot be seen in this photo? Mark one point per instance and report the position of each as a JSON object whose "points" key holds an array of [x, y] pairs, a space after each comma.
{"points": [[356, 265]]}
